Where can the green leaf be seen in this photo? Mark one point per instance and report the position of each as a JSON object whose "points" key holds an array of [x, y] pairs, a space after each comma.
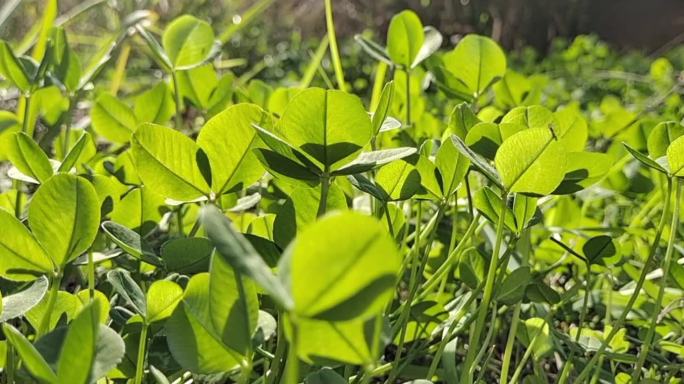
{"points": [[197, 84], [64, 216], [112, 119], [512, 90], [662, 136], [27, 156], [343, 341], [155, 105], [77, 354], [461, 120], [301, 209], [240, 254], [531, 161], [343, 267], [191, 337], [131, 242], [477, 61], [485, 139], [162, 298], [571, 129], [324, 376], [534, 116], [72, 157], [234, 166], [188, 42], [490, 205], [233, 305], [167, 162], [12, 69], [128, 290], [367, 161], [67, 66], [397, 181], [645, 160], [18, 304], [374, 49], [536, 335], [109, 350], [477, 161], [598, 248], [431, 43], [34, 362], [187, 255], [405, 38], [329, 126], [512, 288], [382, 110], [157, 51], [452, 166], [583, 170], [675, 157]]}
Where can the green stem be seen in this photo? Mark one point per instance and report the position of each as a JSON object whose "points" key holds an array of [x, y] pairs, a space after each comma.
{"points": [[487, 295], [177, 99], [508, 351], [24, 129], [142, 349], [274, 371], [179, 220], [10, 364], [406, 309], [408, 98], [91, 275], [323, 203], [637, 289], [292, 363], [52, 299], [583, 315], [389, 220], [27, 113], [334, 51], [663, 284], [67, 126], [453, 256], [526, 356]]}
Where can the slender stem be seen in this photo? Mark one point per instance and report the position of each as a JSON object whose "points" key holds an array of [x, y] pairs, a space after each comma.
{"points": [[406, 309], [179, 220], [453, 256], [637, 289], [91, 275], [408, 98], [334, 51], [389, 221], [52, 299], [292, 363], [274, 371], [17, 183], [67, 125], [487, 295], [526, 356], [27, 115], [17, 199], [323, 203], [510, 342], [10, 364], [663, 284], [565, 373], [142, 349], [177, 99]]}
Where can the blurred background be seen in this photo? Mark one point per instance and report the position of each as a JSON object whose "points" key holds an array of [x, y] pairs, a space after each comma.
{"points": [[276, 38]]}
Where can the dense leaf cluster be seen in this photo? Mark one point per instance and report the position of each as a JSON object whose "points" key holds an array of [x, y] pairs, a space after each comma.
{"points": [[469, 224]]}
